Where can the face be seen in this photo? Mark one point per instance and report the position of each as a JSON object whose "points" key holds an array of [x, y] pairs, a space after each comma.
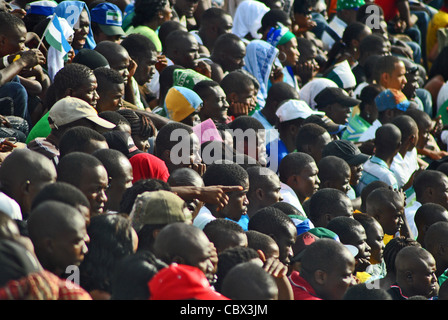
{"points": [[360, 242], [424, 133], [141, 143], [69, 247], [397, 80], [338, 113], [188, 55], [166, 13], [233, 58], [237, 205], [271, 191], [94, 183], [412, 84], [81, 28], [14, 42], [440, 195], [225, 25], [316, 148], [87, 91], [215, 106], [119, 184], [201, 256], [291, 52], [424, 280], [111, 99], [356, 173], [186, 7], [343, 207], [307, 181], [247, 96], [120, 63], [375, 237], [391, 218], [146, 69], [285, 243], [339, 279], [342, 182]]}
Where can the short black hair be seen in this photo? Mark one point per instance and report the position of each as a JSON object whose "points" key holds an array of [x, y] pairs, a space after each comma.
{"points": [[72, 75], [63, 192], [223, 233], [203, 88], [308, 134], [272, 17], [71, 166], [114, 117], [293, 163], [76, 138], [323, 201], [138, 46], [110, 158], [9, 22], [344, 227], [163, 139], [106, 76], [226, 174], [270, 221], [236, 81]]}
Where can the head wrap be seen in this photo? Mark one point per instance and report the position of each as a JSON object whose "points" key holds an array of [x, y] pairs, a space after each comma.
{"points": [[342, 75], [279, 35]]}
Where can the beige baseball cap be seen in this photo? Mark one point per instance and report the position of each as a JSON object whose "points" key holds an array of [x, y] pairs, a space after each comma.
{"points": [[70, 109]]}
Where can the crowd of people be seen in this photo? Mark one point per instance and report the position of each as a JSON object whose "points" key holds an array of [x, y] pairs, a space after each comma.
{"points": [[223, 150]]}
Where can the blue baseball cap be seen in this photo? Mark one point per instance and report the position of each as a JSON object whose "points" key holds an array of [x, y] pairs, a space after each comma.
{"points": [[109, 18]]}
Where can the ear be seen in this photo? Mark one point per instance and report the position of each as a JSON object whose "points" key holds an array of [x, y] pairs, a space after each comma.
{"points": [[292, 180], [155, 233], [25, 187], [259, 193], [384, 78], [261, 255], [320, 277]]}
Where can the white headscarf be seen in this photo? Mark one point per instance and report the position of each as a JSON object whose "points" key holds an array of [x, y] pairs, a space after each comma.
{"points": [[55, 58], [248, 17]]}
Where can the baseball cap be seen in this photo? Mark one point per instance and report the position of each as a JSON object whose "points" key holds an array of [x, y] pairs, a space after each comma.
{"points": [[325, 122], [391, 99], [182, 282], [346, 150], [158, 207], [180, 102], [121, 141], [70, 109], [295, 109], [43, 8], [109, 18], [335, 95], [302, 242]]}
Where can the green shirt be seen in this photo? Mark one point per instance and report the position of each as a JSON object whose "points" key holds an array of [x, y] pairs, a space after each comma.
{"points": [[40, 130], [355, 128], [149, 33]]}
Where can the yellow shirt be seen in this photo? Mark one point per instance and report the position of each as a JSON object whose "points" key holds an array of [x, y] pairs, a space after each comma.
{"points": [[439, 20]]}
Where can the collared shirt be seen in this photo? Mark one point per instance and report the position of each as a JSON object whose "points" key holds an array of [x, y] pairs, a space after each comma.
{"points": [[289, 196], [369, 134], [404, 167], [203, 217], [356, 126], [410, 215], [397, 294], [276, 150], [376, 169], [301, 288]]}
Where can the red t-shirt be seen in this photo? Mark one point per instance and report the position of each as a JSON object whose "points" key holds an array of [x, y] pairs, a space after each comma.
{"points": [[301, 288]]}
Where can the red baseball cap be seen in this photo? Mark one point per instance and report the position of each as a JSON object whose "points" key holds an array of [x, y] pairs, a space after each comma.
{"points": [[182, 282]]}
